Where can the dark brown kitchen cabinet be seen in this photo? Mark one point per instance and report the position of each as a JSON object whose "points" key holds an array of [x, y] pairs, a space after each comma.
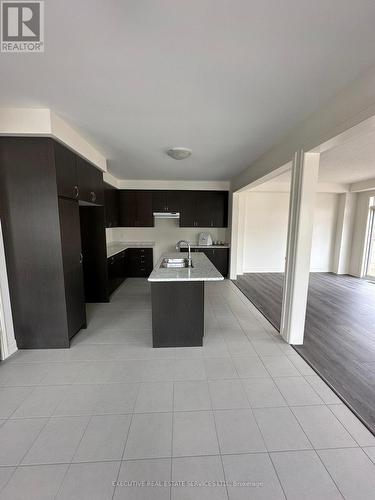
{"points": [[218, 256], [42, 245], [94, 251], [204, 209], [66, 171], [139, 262], [72, 264], [136, 208], [112, 206], [90, 182], [166, 201], [116, 271], [187, 209]]}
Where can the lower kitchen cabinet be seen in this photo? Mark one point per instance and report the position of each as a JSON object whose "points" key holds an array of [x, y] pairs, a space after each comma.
{"points": [[218, 256], [139, 262], [116, 270], [130, 263]]}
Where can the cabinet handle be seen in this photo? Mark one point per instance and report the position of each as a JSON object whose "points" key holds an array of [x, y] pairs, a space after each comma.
{"points": [[93, 196], [80, 257], [76, 191]]}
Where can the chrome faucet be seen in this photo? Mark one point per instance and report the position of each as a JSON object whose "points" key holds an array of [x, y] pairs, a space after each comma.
{"points": [[178, 246]]}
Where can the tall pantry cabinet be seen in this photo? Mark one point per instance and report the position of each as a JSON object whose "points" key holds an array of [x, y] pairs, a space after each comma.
{"points": [[40, 216]]}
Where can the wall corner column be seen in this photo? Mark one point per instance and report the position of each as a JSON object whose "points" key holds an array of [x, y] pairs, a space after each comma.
{"points": [[304, 182]]}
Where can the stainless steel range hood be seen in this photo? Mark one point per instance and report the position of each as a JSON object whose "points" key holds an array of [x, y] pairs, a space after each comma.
{"points": [[167, 215]]}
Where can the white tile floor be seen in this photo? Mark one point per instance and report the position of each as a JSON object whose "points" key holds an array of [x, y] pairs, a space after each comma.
{"points": [[99, 420]]}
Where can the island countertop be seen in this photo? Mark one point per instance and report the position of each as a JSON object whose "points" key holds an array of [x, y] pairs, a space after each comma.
{"points": [[202, 270]]}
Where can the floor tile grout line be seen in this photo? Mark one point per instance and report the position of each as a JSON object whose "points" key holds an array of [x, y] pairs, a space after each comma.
{"points": [[345, 427], [262, 452], [130, 412], [81, 439], [122, 456], [172, 438], [34, 440], [71, 461], [218, 440], [10, 477], [330, 475], [277, 475]]}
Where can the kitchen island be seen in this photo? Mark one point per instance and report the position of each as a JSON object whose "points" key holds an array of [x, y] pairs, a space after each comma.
{"points": [[177, 295]]}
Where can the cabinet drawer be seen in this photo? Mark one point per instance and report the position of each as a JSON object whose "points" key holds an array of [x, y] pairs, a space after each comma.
{"points": [[139, 262]]}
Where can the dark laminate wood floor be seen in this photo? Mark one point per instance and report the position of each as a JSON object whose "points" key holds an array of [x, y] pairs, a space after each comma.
{"points": [[339, 334]]}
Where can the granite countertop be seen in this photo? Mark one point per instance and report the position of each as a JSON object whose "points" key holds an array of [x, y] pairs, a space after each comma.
{"points": [[202, 270], [118, 246]]}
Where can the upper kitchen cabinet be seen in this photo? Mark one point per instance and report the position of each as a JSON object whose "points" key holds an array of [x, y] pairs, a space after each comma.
{"points": [[112, 206], [166, 201], [204, 209], [90, 182], [217, 207], [136, 208], [66, 171]]}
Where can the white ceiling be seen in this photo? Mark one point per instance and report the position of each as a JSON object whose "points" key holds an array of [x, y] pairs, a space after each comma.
{"points": [[225, 78], [351, 162]]}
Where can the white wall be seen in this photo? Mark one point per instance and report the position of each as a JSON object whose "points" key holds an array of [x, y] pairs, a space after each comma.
{"points": [[360, 233], [166, 233], [324, 235], [266, 223]]}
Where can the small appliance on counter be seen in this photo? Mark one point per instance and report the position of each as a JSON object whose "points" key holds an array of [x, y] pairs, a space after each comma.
{"points": [[204, 239]]}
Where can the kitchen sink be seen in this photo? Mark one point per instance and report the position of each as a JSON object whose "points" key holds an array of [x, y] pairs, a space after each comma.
{"points": [[175, 263]]}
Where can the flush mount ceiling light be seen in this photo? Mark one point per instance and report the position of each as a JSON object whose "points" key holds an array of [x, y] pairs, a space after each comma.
{"points": [[179, 153]]}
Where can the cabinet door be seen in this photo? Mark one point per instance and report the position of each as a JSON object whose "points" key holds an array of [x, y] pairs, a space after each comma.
{"points": [[128, 209], [112, 208], [219, 209], [90, 182], [211, 209], [72, 264], [144, 214], [111, 274], [203, 209], [66, 171], [166, 201], [159, 201], [220, 259], [173, 200], [187, 209]]}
